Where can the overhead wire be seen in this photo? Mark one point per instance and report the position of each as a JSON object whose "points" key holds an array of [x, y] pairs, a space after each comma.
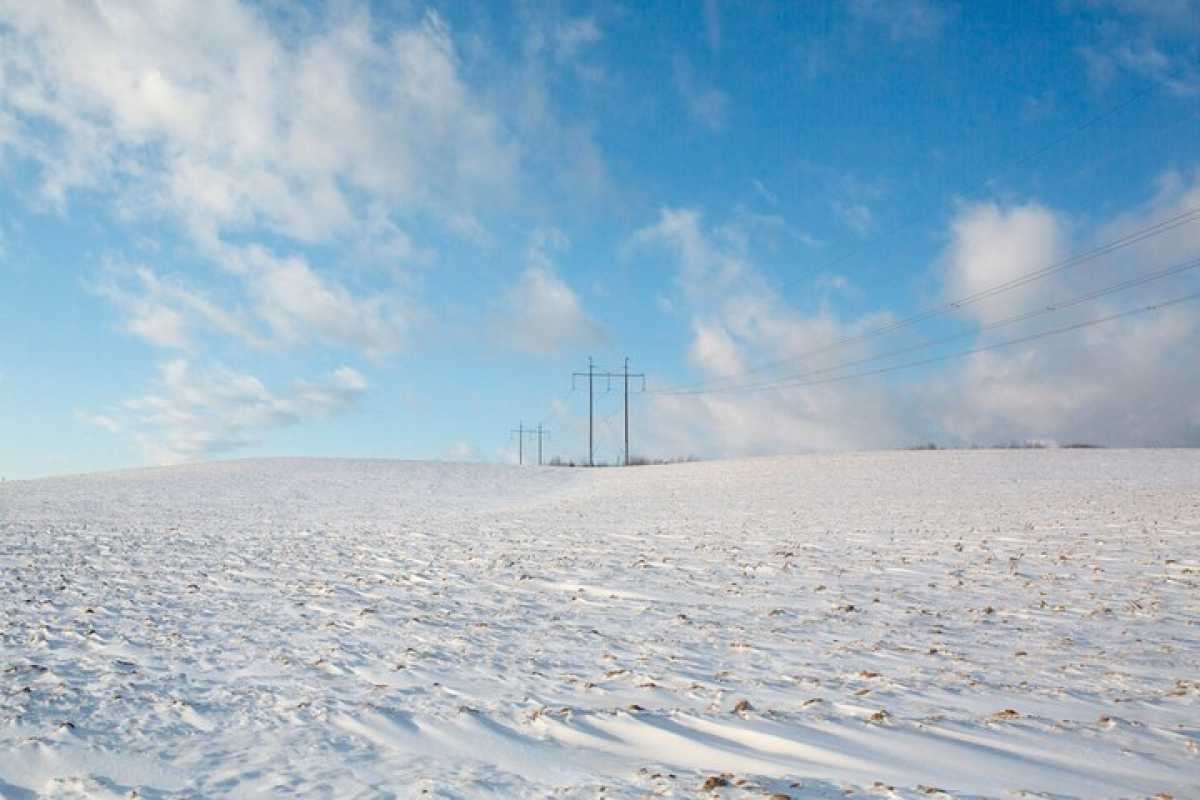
{"points": [[1121, 242], [787, 384], [1055, 307], [1009, 163]]}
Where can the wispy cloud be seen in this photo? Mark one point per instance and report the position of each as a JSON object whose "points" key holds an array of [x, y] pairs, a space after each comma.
{"points": [[542, 314], [166, 313], [1155, 40], [707, 268], [300, 305], [573, 35], [855, 216], [192, 414], [460, 451], [904, 20], [712, 25], [102, 421], [706, 105]]}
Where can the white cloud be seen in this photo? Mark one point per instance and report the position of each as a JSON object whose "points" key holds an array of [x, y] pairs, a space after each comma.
{"points": [[160, 326], [737, 321], [707, 105], [300, 305], [245, 128], [208, 114], [1119, 383], [460, 451], [834, 283], [714, 351], [291, 304], [708, 264], [856, 216], [262, 134], [1179, 17], [991, 245], [102, 421], [852, 197], [542, 314], [904, 20], [712, 25], [165, 312], [1124, 383], [572, 36], [764, 192], [1175, 193], [191, 415], [561, 152], [283, 143], [771, 228], [1156, 40]]}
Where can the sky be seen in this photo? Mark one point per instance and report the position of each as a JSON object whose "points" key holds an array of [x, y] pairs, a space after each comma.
{"points": [[244, 229]]}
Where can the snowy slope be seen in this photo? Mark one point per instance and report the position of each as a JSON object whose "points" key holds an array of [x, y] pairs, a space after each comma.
{"points": [[945, 624]]}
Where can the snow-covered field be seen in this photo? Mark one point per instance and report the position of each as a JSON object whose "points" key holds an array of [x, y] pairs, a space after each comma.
{"points": [[945, 624]]}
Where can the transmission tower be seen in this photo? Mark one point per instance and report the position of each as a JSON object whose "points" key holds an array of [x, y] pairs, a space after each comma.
{"points": [[591, 375], [521, 432]]}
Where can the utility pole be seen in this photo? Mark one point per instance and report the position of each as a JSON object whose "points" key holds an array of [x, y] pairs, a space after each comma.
{"points": [[627, 411], [590, 374], [540, 432], [625, 374]]}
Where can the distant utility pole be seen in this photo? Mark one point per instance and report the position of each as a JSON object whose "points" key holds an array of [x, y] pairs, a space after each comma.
{"points": [[521, 431], [624, 374]]}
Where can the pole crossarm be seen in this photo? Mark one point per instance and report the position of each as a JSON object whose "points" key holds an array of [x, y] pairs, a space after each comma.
{"points": [[640, 375]]}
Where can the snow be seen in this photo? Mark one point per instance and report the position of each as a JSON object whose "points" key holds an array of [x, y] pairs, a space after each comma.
{"points": [[905, 624]]}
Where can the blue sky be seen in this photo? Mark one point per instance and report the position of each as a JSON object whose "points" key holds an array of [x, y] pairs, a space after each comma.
{"points": [[250, 229]]}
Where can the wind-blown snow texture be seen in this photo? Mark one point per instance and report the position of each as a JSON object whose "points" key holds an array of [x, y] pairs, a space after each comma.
{"points": [[947, 624]]}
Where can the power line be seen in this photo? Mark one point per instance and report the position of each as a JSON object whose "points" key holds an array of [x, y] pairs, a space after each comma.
{"points": [[1103, 115], [591, 374], [1134, 237], [1028, 315], [1003, 164], [789, 383], [627, 375]]}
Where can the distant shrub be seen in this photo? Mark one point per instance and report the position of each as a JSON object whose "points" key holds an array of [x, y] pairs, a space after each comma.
{"points": [[643, 461], [634, 461], [1029, 444]]}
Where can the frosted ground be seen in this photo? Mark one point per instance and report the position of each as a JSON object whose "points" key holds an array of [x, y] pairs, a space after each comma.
{"points": [[947, 624]]}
